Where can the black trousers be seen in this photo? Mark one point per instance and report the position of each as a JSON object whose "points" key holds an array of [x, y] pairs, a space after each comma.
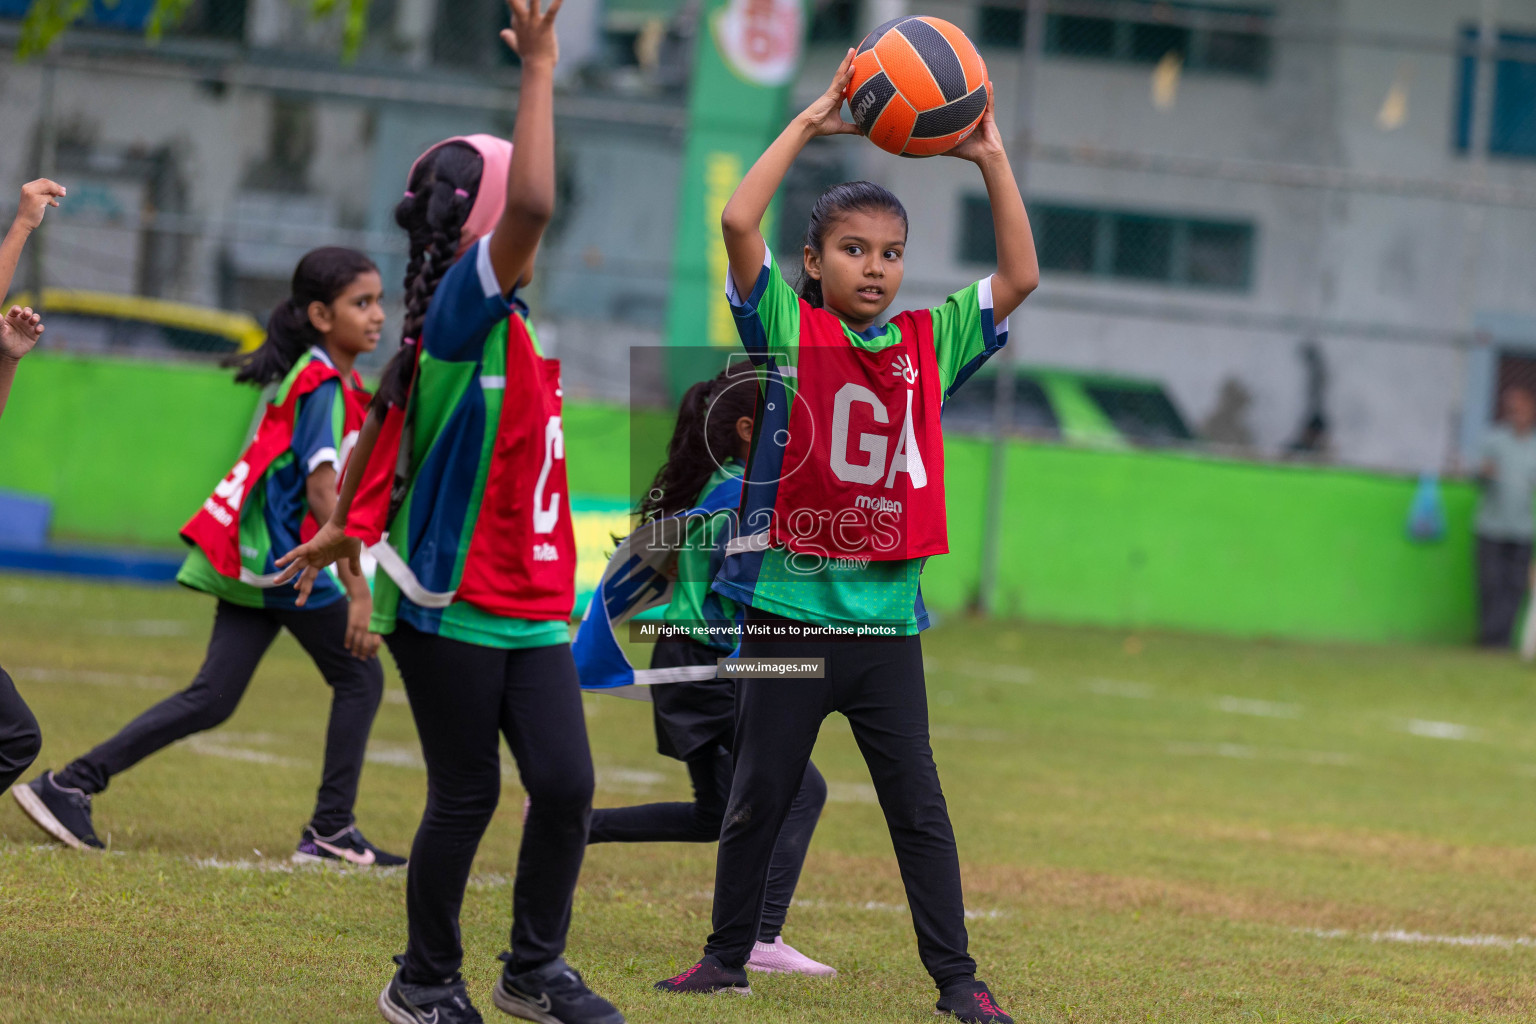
{"points": [[700, 821], [878, 686], [240, 639], [464, 698], [1503, 576], [20, 738]]}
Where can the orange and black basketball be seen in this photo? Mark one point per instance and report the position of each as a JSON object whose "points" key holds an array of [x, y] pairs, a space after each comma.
{"points": [[919, 87]]}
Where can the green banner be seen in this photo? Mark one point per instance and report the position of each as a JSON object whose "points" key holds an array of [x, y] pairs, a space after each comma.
{"points": [[746, 56]]}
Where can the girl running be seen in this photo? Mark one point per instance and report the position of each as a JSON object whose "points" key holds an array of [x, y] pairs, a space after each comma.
{"points": [[283, 484], [20, 738], [843, 501], [479, 560], [695, 719]]}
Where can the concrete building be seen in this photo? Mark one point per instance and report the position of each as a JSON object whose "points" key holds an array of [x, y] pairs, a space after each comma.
{"points": [[1215, 189]]}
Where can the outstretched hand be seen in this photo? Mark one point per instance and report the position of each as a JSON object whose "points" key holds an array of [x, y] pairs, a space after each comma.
{"points": [[986, 141], [19, 331], [532, 35], [36, 197], [329, 544], [825, 115]]}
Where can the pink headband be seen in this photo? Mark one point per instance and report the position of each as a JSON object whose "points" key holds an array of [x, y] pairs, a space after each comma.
{"points": [[496, 154]]}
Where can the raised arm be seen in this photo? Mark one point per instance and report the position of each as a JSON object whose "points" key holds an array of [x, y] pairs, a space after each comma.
{"points": [[531, 179], [20, 328], [742, 220], [1018, 269]]}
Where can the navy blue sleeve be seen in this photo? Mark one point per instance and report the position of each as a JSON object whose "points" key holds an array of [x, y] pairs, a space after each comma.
{"points": [[317, 428], [467, 304]]}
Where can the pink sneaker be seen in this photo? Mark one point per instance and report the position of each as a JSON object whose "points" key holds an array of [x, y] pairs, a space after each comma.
{"points": [[779, 957]]}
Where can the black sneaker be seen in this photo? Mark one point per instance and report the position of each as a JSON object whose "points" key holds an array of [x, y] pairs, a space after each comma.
{"points": [[347, 846], [972, 1003], [708, 976], [404, 1003], [552, 994], [61, 811]]}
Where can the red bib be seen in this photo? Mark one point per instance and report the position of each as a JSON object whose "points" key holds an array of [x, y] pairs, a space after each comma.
{"points": [[863, 470], [522, 558], [521, 561], [215, 528]]}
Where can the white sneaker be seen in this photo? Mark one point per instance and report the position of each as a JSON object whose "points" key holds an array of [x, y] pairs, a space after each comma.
{"points": [[779, 957]]}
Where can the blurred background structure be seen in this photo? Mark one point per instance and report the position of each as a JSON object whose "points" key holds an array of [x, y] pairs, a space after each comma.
{"points": [[1298, 230]]}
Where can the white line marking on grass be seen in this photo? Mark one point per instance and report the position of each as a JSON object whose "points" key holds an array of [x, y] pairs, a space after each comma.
{"points": [[37, 596], [624, 780], [1260, 708], [878, 907], [93, 678], [215, 745], [1440, 730], [141, 627], [215, 864], [398, 755], [1233, 750], [851, 793], [970, 735], [1239, 751], [1016, 674], [1421, 938], [287, 867], [1119, 688], [393, 696]]}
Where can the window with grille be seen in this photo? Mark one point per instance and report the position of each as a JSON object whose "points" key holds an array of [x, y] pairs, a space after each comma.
{"points": [[833, 21], [1000, 26], [1129, 245], [1225, 50], [1512, 127]]}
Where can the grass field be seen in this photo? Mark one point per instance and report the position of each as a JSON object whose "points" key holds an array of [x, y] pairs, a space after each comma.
{"points": [[1153, 828]]}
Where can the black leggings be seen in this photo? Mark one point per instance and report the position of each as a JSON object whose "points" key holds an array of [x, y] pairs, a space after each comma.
{"points": [[240, 639], [878, 686], [20, 738], [699, 822], [464, 698]]}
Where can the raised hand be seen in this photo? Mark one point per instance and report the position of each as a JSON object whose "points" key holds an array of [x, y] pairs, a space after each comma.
{"points": [[329, 544], [825, 115], [986, 141], [36, 197], [532, 35], [19, 331]]}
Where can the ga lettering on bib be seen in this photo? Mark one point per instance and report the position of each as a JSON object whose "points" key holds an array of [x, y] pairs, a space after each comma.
{"points": [[863, 469]]}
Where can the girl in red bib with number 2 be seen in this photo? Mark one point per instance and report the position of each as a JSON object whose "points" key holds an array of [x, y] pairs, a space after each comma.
{"points": [[458, 487], [842, 502]]}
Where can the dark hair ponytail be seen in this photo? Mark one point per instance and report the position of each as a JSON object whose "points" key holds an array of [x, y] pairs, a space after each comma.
{"points": [[436, 204], [703, 439], [321, 276], [865, 196]]}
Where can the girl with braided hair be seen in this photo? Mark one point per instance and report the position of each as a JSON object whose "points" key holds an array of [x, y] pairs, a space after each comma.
{"points": [[457, 485], [280, 488], [695, 716]]}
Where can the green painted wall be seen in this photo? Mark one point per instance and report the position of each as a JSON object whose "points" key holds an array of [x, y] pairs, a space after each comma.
{"points": [[128, 449], [1128, 538], [125, 449]]}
